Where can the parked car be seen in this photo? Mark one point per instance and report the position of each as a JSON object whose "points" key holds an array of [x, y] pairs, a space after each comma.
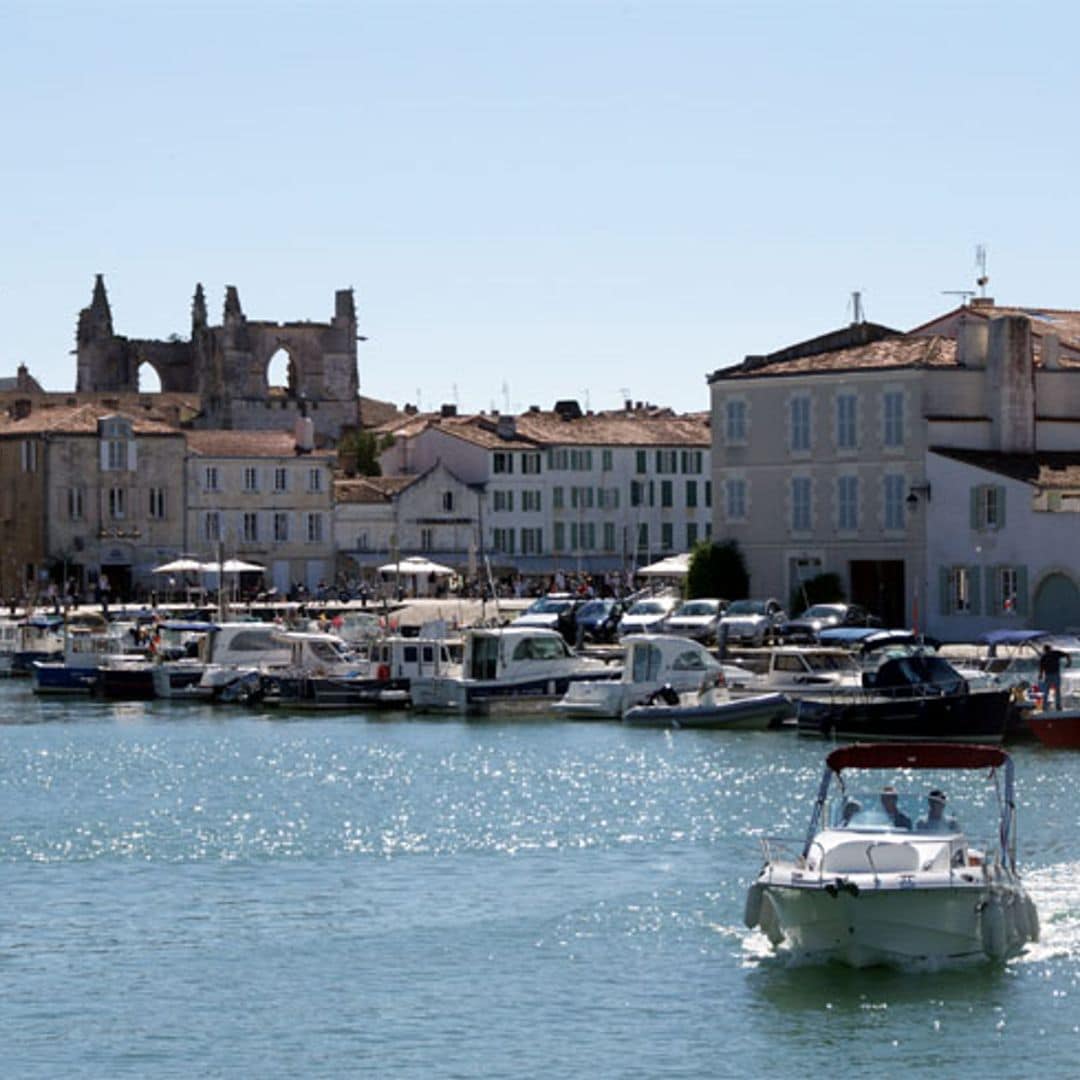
{"points": [[752, 621], [555, 611], [647, 616], [818, 617], [696, 619], [598, 620]]}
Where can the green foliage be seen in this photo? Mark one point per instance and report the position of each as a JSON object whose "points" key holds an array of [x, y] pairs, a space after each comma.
{"points": [[718, 569], [358, 453], [822, 589]]}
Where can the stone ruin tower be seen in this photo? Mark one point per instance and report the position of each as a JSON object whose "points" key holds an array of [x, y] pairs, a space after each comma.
{"points": [[228, 365]]}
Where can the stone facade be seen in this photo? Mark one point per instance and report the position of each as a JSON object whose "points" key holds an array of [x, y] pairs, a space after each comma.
{"points": [[227, 365]]}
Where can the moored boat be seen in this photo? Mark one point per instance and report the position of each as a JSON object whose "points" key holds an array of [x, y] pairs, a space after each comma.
{"points": [[712, 707], [869, 887]]}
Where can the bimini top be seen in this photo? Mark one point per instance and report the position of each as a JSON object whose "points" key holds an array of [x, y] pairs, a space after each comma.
{"points": [[916, 756], [1011, 637]]}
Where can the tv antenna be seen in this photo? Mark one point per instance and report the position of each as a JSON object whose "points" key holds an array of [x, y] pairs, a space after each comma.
{"points": [[980, 262], [857, 313], [965, 294]]}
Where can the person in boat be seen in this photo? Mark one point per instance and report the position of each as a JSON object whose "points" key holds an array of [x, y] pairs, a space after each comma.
{"points": [[1050, 674], [897, 818], [851, 808], [935, 820]]}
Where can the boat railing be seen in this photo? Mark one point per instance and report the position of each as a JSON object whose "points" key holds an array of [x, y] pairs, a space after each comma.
{"points": [[781, 849]]}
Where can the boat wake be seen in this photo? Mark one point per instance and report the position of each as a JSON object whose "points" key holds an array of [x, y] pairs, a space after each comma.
{"points": [[1056, 892]]}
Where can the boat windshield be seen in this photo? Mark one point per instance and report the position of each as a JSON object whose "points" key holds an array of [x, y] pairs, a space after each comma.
{"points": [[867, 810], [822, 661]]}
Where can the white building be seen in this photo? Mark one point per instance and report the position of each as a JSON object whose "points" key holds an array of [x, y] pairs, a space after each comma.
{"points": [[563, 490], [834, 456]]}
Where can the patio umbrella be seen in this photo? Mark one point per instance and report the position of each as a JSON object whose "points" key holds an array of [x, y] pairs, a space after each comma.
{"points": [[415, 564], [672, 566], [231, 566], [179, 566]]}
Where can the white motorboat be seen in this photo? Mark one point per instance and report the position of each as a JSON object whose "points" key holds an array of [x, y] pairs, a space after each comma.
{"points": [[506, 669], [807, 671], [652, 663], [870, 888], [713, 707], [237, 655]]}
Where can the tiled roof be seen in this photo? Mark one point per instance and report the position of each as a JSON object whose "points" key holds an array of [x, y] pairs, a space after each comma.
{"points": [[1047, 469], [80, 420], [902, 351], [1060, 321], [537, 430], [247, 444], [371, 489]]}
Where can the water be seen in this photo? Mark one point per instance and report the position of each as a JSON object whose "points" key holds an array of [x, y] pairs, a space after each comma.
{"points": [[190, 892]]}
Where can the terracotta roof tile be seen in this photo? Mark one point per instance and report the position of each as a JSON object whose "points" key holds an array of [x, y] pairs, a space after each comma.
{"points": [[80, 420], [241, 444]]}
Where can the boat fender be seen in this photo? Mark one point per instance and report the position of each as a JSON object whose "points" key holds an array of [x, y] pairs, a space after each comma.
{"points": [[992, 927], [752, 912], [1031, 913], [382, 673]]}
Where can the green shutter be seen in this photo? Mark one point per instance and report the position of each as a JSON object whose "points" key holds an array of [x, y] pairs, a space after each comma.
{"points": [[1001, 506], [975, 507], [1021, 590], [992, 605], [975, 572], [944, 597]]}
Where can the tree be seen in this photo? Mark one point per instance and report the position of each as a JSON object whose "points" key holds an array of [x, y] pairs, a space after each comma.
{"points": [[821, 589], [718, 569], [358, 452]]}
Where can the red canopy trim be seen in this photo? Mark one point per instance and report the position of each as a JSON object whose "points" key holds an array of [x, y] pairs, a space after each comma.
{"points": [[916, 756]]}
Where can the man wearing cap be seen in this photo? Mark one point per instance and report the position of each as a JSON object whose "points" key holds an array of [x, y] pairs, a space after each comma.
{"points": [[935, 820], [897, 818]]}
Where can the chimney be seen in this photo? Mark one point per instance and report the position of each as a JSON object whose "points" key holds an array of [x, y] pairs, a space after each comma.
{"points": [[1051, 352], [982, 302], [448, 410], [972, 335], [1010, 385], [506, 428], [21, 409], [304, 434], [628, 405]]}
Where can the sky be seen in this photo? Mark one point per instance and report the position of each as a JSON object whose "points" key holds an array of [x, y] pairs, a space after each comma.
{"points": [[597, 200]]}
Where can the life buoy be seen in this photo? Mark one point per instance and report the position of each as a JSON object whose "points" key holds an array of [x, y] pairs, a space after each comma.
{"points": [[382, 672]]}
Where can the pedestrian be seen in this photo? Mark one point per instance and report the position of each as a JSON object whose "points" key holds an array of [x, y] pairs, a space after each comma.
{"points": [[1050, 674]]}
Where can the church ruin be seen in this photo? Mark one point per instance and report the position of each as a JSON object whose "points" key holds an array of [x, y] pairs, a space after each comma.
{"points": [[228, 366]]}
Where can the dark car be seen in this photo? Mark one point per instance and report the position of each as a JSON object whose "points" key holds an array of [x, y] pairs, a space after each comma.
{"points": [[598, 620], [555, 611], [820, 617]]}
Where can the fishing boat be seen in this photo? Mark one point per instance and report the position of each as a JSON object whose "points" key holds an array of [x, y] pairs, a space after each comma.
{"points": [[869, 887], [508, 669]]}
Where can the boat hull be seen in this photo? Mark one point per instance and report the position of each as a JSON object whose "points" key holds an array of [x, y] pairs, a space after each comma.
{"points": [[479, 696], [53, 678], [328, 693], [977, 717], [865, 926], [758, 713], [1060, 730]]}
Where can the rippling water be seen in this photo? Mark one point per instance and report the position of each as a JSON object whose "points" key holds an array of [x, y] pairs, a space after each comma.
{"points": [[190, 892]]}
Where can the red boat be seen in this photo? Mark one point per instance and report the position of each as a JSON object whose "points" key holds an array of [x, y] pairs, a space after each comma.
{"points": [[1058, 729]]}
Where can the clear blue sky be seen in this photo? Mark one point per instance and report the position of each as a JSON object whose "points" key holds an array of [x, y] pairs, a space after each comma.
{"points": [[532, 200]]}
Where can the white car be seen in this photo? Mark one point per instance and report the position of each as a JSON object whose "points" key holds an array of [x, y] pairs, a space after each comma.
{"points": [[751, 621], [696, 619], [647, 616]]}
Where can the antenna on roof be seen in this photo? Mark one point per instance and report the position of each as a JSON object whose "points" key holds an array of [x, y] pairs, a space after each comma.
{"points": [[980, 262], [857, 315], [965, 294], [506, 396]]}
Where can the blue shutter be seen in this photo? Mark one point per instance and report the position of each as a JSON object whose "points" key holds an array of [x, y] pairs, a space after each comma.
{"points": [[993, 591], [1021, 590], [975, 572], [974, 507], [1001, 506], [944, 596]]}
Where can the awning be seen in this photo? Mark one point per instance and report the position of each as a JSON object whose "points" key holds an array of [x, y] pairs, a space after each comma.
{"points": [[672, 566], [416, 564]]}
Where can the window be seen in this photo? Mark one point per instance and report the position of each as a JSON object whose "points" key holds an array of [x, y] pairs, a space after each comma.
{"points": [[157, 503], [667, 461], [691, 461], [735, 422], [502, 540], [1007, 593], [667, 495], [448, 501], [116, 455], [532, 541], [363, 543], [314, 528], [735, 502], [640, 461], [530, 464], [667, 536], [503, 500], [582, 536], [560, 536], [800, 504], [643, 537], [960, 590], [557, 498], [28, 455], [893, 433], [691, 534], [846, 434], [635, 493], [847, 503], [893, 496], [581, 460], [530, 502], [210, 478], [606, 463], [250, 527], [691, 493], [558, 460], [708, 493], [117, 503], [281, 479], [502, 462], [315, 480], [75, 504], [800, 425], [609, 535], [251, 478], [581, 498], [988, 507], [427, 539], [212, 525], [281, 529]]}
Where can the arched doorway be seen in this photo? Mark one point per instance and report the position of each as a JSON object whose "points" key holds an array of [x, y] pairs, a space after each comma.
{"points": [[1057, 604], [147, 379]]}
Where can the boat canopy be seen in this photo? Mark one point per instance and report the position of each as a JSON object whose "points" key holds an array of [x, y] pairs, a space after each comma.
{"points": [[916, 756], [1011, 637], [188, 625]]}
